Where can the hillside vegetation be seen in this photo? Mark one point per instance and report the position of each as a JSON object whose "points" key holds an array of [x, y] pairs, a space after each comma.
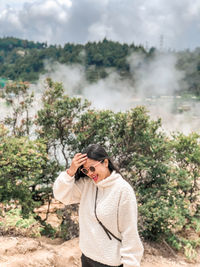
{"points": [[24, 60]]}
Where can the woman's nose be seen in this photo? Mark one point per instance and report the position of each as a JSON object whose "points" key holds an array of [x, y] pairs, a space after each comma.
{"points": [[89, 172]]}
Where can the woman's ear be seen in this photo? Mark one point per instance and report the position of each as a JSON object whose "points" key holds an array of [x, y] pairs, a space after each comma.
{"points": [[105, 163]]}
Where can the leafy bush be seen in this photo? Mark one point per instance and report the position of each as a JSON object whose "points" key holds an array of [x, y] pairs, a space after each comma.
{"points": [[13, 223], [26, 172], [56, 119], [185, 175]]}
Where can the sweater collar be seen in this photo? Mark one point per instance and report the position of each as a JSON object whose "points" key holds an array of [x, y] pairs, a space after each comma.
{"points": [[108, 181]]}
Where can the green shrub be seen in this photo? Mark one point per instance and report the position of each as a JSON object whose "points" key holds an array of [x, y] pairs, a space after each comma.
{"points": [[26, 172], [12, 222]]}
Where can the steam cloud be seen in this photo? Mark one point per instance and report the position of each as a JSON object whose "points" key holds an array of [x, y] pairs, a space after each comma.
{"points": [[152, 84]]}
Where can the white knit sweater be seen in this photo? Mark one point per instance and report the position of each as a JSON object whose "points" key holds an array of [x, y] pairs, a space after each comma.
{"points": [[116, 209]]}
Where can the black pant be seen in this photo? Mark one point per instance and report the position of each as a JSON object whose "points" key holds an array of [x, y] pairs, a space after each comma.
{"points": [[87, 262]]}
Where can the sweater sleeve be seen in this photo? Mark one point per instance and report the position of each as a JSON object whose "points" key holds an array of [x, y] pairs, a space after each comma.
{"points": [[66, 190], [132, 248]]}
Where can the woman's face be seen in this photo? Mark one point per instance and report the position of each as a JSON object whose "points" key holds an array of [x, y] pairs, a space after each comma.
{"points": [[101, 169]]}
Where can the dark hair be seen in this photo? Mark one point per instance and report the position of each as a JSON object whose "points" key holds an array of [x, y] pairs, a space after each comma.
{"points": [[96, 152]]}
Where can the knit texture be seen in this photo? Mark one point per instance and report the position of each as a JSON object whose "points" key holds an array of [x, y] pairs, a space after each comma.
{"points": [[116, 209]]}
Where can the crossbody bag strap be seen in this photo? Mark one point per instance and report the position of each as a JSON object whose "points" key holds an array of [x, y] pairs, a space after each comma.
{"points": [[109, 234]]}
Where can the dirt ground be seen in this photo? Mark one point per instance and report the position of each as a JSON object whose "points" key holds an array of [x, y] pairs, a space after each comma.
{"points": [[45, 252]]}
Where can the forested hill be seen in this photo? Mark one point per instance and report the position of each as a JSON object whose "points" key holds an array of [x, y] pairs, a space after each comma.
{"points": [[24, 60]]}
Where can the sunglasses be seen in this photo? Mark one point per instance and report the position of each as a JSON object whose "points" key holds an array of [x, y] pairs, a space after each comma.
{"points": [[91, 168]]}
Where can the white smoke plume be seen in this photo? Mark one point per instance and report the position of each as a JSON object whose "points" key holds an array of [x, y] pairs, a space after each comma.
{"points": [[156, 78], [72, 76], [158, 82], [152, 84]]}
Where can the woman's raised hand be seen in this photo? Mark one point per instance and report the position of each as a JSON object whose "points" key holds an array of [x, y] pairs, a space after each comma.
{"points": [[78, 160]]}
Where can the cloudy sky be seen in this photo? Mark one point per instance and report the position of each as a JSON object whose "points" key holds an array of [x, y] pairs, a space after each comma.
{"points": [[79, 21]]}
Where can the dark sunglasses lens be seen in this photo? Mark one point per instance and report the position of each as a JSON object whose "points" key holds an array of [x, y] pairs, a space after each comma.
{"points": [[85, 171], [92, 169]]}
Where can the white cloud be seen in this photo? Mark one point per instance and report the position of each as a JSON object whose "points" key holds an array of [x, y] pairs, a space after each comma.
{"points": [[67, 3], [61, 21], [98, 31]]}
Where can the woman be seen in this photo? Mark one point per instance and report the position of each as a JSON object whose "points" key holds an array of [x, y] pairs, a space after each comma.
{"points": [[107, 211]]}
